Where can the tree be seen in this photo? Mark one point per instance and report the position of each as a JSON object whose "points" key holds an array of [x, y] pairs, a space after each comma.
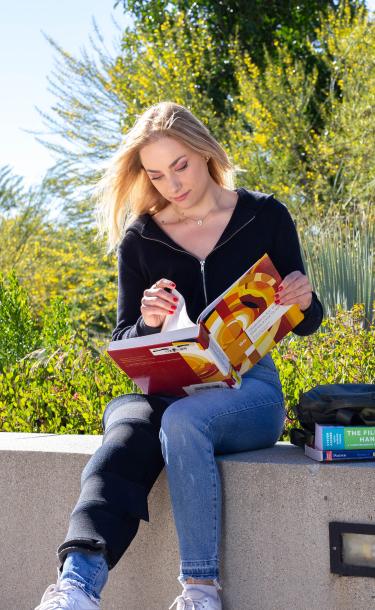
{"points": [[275, 141], [257, 25]]}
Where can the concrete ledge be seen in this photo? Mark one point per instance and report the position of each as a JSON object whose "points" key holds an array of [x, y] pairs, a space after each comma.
{"points": [[275, 547]]}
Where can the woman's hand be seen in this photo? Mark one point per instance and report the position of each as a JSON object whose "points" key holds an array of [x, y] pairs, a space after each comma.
{"points": [[294, 288], [157, 303]]}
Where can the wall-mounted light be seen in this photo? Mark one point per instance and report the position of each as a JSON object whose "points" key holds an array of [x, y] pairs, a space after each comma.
{"points": [[352, 548]]}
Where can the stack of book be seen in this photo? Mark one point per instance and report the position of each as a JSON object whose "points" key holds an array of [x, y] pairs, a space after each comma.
{"points": [[335, 443]]}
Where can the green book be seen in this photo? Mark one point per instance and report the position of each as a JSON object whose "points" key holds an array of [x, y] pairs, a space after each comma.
{"points": [[344, 437]]}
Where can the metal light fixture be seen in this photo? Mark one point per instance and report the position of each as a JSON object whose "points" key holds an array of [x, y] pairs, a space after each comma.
{"points": [[352, 548]]}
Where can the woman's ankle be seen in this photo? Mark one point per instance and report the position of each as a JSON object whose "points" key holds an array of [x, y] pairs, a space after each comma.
{"points": [[199, 581]]}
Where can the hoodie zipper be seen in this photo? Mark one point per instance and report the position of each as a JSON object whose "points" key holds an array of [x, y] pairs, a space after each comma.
{"points": [[201, 262]]}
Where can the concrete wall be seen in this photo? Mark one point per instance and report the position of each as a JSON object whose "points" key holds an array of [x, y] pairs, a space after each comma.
{"points": [[275, 548]]}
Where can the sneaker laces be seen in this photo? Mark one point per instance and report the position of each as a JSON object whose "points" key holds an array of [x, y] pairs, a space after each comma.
{"points": [[189, 603], [56, 594]]}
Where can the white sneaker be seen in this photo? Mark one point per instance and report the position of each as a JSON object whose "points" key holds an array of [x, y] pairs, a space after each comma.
{"points": [[193, 599], [66, 596]]}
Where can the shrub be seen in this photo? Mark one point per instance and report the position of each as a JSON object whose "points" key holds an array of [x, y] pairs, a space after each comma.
{"points": [[61, 390]]}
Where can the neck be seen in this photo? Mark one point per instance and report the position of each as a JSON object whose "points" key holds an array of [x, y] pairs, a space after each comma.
{"points": [[203, 208]]}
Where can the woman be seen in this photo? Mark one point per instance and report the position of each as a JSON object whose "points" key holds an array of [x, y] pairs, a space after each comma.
{"points": [[191, 230]]}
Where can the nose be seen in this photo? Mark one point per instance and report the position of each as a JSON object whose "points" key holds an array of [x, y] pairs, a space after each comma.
{"points": [[175, 184]]}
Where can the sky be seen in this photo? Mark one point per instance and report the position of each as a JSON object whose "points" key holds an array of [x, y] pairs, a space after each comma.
{"points": [[27, 60]]}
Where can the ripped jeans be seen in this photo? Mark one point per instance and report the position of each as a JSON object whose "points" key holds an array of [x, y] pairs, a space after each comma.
{"points": [[191, 433]]}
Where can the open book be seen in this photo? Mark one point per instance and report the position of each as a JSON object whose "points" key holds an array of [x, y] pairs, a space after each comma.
{"points": [[230, 335]]}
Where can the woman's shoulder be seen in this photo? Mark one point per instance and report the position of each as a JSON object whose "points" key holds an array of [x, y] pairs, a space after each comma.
{"points": [[267, 202]]}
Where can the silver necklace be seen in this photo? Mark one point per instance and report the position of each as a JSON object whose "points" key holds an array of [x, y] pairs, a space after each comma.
{"points": [[198, 221]]}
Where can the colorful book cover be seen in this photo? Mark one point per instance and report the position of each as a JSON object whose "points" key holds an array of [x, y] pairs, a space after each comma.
{"points": [[178, 366], [344, 437], [246, 321], [337, 455]]}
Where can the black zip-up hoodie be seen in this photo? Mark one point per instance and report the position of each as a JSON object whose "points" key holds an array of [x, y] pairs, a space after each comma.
{"points": [[259, 223]]}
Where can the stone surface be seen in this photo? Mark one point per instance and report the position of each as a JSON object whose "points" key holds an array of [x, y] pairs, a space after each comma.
{"points": [[275, 547]]}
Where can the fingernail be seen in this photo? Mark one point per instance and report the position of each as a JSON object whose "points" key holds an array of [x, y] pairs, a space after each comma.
{"points": [[174, 306], [280, 288], [277, 301], [171, 311], [175, 299]]}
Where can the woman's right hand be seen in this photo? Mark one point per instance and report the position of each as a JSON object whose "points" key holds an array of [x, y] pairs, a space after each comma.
{"points": [[157, 302]]}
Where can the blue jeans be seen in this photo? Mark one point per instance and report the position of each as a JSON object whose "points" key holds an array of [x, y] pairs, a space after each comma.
{"points": [[194, 429]]}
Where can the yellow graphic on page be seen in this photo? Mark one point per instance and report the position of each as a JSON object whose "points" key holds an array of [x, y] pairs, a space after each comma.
{"points": [[233, 318], [196, 358]]}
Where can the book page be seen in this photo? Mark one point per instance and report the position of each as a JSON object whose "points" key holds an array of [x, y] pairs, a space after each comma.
{"points": [[245, 320], [179, 319]]}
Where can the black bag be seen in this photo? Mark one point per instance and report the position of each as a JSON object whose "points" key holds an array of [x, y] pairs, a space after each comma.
{"points": [[343, 404]]}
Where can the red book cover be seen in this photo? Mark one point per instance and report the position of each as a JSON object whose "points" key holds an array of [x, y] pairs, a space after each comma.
{"points": [[159, 364]]}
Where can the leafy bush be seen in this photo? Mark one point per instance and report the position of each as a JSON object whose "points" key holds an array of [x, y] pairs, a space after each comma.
{"points": [[53, 377], [60, 390], [17, 329]]}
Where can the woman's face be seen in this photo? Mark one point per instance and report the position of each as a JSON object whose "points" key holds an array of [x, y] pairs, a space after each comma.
{"points": [[175, 169]]}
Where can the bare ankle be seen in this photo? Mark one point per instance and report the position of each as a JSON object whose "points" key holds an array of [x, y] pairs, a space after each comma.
{"points": [[199, 581]]}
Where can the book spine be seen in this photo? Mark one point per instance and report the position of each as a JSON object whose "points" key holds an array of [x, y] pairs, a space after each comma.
{"points": [[339, 455], [344, 437]]}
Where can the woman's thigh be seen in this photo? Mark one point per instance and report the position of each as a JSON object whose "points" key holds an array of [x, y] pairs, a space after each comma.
{"points": [[251, 417]]}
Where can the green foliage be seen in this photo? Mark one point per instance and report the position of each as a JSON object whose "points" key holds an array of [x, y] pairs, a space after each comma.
{"points": [[257, 24], [341, 265], [62, 390], [342, 351], [279, 147], [17, 329], [56, 322]]}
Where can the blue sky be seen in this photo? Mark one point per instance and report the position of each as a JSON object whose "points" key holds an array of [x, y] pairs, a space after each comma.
{"points": [[27, 59]]}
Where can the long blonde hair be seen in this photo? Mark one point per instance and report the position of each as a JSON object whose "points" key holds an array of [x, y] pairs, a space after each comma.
{"points": [[125, 190]]}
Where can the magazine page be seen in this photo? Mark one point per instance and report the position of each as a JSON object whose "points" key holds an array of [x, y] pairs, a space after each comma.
{"points": [[246, 321], [179, 319]]}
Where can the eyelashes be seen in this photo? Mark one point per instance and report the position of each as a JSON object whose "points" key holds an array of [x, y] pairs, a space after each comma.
{"points": [[178, 170]]}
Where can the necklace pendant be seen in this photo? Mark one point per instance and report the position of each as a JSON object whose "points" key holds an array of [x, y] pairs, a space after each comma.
{"points": [[199, 222]]}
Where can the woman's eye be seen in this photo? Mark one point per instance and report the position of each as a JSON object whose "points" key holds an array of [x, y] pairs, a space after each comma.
{"points": [[177, 170]]}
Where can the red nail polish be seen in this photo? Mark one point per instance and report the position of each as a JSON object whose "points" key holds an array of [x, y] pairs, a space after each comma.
{"points": [[171, 311], [173, 306], [175, 299], [280, 288], [277, 301]]}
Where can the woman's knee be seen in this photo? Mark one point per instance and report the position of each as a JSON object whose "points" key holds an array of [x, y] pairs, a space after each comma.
{"points": [[180, 425]]}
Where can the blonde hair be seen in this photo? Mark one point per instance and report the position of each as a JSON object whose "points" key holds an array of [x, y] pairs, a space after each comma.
{"points": [[125, 190]]}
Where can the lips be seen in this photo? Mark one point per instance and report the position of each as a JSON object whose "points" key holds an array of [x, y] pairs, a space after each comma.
{"points": [[181, 197]]}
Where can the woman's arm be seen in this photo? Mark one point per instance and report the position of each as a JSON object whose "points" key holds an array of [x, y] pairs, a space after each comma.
{"points": [[131, 285], [286, 254], [140, 310]]}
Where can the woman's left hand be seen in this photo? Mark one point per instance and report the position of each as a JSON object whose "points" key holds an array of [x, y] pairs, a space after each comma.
{"points": [[294, 288]]}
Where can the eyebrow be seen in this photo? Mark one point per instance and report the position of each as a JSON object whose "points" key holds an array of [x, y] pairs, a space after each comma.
{"points": [[171, 165]]}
